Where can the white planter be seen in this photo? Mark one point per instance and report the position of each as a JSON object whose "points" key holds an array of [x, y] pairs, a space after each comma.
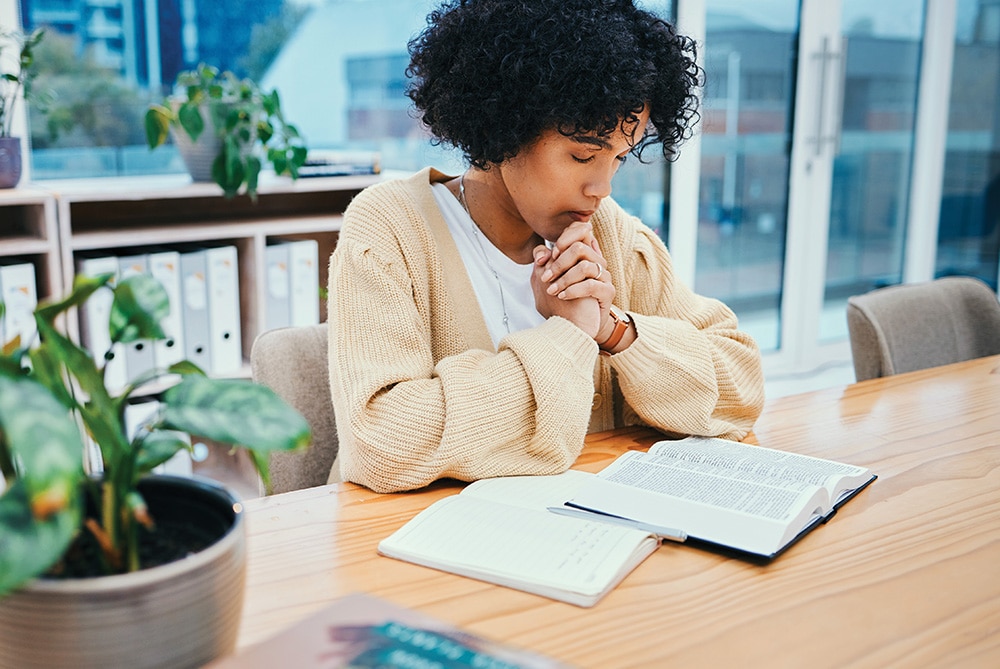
{"points": [[181, 614], [197, 156]]}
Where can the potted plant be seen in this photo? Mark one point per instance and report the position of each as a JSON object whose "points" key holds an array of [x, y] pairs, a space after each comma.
{"points": [[222, 126], [95, 568], [17, 71]]}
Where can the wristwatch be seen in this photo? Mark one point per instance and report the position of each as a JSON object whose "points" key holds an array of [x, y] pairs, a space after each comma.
{"points": [[622, 321]]}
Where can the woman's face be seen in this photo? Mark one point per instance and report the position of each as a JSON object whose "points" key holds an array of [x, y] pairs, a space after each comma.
{"points": [[559, 180]]}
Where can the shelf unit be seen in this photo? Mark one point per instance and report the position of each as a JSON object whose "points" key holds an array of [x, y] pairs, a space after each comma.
{"points": [[124, 216], [29, 233]]}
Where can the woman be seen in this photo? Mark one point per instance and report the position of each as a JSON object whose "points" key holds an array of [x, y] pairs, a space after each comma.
{"points": [[480, 325]]}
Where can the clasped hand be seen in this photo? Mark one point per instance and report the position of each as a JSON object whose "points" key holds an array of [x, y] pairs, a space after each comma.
{"points": [[570, 280]]}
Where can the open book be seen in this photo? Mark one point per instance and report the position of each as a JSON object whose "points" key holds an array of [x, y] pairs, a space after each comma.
{"points": [[498, 530], [750, 499]]}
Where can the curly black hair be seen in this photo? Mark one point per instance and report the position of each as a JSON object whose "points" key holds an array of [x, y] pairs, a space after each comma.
{"points": [[489, 76]]}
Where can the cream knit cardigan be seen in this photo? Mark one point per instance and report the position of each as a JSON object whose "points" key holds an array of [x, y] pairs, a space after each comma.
{"points": [[420, 393]]}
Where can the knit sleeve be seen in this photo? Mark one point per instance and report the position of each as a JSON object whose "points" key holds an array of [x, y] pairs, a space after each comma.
{"points": [[691, 370], [412, 402]]}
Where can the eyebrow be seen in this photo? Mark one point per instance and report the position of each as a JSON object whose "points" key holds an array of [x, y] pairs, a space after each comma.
{"points": [[594, 141]]}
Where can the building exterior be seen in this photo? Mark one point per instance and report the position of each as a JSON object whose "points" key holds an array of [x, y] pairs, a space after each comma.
{"points": [[149, 41]]}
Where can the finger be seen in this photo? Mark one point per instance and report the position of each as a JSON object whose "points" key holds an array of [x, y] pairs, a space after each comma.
{"points": [[578, 231], [572, 255], [542, 254], [604, 292], [585, 270]]}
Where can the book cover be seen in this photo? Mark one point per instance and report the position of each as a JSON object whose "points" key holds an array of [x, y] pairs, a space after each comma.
{"points": [[362, 631]]}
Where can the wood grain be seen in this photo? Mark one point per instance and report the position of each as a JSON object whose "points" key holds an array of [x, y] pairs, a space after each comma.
{"points": [[906, 574]]}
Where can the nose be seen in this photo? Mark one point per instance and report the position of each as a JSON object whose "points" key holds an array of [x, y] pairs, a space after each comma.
{"points": [[599, 184]]}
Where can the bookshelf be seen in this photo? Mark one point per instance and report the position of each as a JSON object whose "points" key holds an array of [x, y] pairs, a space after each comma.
{"points": [[54, 224], [29, 233], [128, 216]]}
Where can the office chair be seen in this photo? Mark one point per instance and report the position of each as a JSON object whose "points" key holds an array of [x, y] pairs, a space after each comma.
{"points": [[915, 326], [292, 361]]}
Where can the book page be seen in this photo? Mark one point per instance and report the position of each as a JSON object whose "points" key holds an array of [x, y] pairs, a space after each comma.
{"points": [[534, 550], [741, 513], [756, 463], [752, 495], [532, 492]]}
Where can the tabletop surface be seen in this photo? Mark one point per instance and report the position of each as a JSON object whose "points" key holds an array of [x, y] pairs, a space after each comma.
{"points": [[906, 574]]}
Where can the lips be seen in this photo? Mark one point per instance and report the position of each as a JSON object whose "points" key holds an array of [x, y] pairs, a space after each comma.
{"points": [[581, 216]]}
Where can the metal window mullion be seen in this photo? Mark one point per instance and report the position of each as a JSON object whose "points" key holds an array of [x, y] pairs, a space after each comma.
{"points": [[930, 141]]}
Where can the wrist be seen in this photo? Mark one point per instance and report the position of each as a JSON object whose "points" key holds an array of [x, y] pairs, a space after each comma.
{"points": [[610, 335]]}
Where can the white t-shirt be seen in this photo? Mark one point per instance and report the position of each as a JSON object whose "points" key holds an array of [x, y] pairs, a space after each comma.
{"points": [[481, 258]]}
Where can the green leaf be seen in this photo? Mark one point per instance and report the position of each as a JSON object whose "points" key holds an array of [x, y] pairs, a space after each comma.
{"points": [[234, 412], [299, 154], [47, 371], [60, 350], [227, 168], [263, 465], [157, 124], [29, 546], [186, 367], [83, 288], [253, 170], [159, 446], [189, 116], [265, 131], [99, 414], [237, 118], [46, 439], [140, 304], [272, 104], [277, 159]]}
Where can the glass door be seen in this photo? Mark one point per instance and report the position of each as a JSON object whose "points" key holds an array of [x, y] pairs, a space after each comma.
{"points": [[803, 164], [749, 60], [876, 80], [968, 239]]}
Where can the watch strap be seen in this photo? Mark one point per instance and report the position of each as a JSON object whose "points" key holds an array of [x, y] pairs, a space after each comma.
{"points": [[622, 322]]}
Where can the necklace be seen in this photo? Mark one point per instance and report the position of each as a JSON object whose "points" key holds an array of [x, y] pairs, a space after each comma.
{"points": [[477, 234]]}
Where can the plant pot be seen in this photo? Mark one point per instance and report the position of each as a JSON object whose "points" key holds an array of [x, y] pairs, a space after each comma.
{"points": [[180, 614], [197, 156], [10, 161]]}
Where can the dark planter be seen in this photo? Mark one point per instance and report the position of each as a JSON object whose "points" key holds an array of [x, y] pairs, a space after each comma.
{"points": [[180, 614], [10, 161]]}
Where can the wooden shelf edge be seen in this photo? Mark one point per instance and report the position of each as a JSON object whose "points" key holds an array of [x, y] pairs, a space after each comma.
{"points": [[19, 246], [202, 232]]}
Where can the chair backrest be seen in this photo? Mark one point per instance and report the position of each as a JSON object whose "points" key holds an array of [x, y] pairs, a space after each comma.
{"points": [[915, 326], [292, 361]]}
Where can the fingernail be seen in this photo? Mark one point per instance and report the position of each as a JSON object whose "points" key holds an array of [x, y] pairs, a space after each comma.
{"points": [[546, 275], [551, 290]]}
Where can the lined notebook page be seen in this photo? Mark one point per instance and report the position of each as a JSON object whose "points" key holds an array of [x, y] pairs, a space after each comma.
{"points": [[478, 537]]}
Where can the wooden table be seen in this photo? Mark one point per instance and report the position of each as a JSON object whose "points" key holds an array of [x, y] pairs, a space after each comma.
{"points": [[906, 574]]}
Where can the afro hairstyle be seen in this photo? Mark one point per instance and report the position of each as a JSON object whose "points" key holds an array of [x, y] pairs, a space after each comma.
{"points": [[490, 76]]}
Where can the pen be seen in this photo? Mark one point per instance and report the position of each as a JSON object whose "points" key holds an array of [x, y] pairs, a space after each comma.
{"points": [[669, 533]]}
